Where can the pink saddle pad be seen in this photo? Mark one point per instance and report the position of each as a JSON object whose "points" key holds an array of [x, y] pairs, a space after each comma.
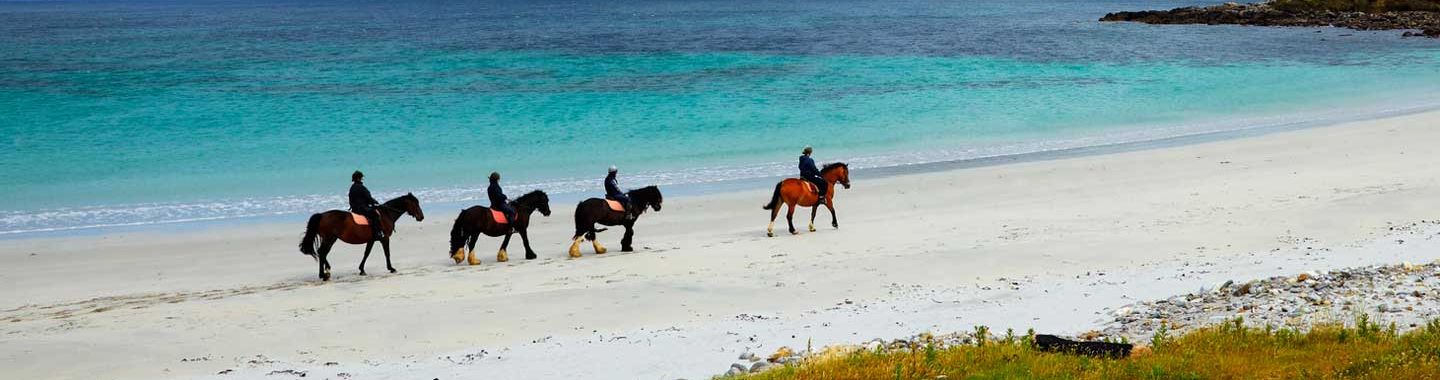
{"points": [[615, 205], [360, 219], [499, 217]]}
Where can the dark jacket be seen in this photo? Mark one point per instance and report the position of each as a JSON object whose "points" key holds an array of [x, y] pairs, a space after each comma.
{"points": [[497, 196], [807, 167], [360, 199], [612, 187]]}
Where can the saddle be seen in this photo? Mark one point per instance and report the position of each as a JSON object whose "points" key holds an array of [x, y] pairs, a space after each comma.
{"points": [[809, 186], [498, 216], [615, 205], [360, 219]]}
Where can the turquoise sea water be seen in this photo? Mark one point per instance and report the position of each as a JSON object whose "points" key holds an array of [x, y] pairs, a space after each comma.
{"points": [[121, 113]]}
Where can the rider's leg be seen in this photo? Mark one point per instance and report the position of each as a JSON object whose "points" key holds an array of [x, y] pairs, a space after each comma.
{"points": [[820, 187], [376, 230], [625, 204], [509, 212]]}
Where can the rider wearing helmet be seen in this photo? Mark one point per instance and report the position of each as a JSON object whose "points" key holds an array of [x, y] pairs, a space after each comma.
{"points": [[498, 200], [612, 192], [809, 172], [362, 203]]}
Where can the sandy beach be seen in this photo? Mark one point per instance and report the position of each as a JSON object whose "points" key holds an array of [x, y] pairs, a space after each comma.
{"points": [[1052, 245]]}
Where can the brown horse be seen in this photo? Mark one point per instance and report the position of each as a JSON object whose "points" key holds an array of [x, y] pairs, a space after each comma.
{"points": [[595, 210], [335, 225], [478, 220], [795, 191]]}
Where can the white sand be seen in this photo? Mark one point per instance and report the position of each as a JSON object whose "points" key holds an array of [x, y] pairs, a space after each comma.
{"points": [[1048, 244]]}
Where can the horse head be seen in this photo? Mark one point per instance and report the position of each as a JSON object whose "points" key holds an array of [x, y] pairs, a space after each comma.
{"points": [[837, 172], [411, 205], [648, 196], [535, 200]]}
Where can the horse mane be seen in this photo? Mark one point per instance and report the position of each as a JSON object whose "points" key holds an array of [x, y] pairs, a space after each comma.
{"points": [[401, 198], [833, 166], [647, 192], [531, 197]]}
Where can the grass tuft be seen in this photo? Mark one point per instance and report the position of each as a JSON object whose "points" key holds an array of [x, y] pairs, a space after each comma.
{"points": [[1366, 350]]}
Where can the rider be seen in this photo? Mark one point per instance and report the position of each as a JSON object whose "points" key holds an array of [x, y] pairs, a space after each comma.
{"points": [[362, 203], [612, 192], [809, 172], [498, 200]]}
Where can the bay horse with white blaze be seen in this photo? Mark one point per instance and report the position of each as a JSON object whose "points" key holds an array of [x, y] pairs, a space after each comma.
{"points": [[340, 225], [796, 191], [478, 220], [596, 210]]}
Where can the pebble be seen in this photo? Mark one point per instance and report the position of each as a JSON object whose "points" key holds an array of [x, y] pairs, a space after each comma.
{"points": [[1399, 293]]}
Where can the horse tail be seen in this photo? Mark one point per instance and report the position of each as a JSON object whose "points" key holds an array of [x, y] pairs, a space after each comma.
{"points": [[307, 243], [774, 199], [457, 234]]}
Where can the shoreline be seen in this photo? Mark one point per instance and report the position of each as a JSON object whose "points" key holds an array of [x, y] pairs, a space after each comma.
{"points": [[730, 186], [999, 245]]}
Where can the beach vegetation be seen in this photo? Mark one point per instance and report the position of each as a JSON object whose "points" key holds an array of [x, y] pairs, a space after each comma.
{"points": [[1232, 350]]}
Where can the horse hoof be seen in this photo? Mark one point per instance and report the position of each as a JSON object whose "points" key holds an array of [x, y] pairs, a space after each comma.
{"points": [[392, 270], [601, 251], [812, 228], [530, 256], [627, 249], [770, 234], [502, 256], [363, 274]]}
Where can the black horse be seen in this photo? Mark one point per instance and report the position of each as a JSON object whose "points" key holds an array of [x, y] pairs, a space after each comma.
{"points": [[596, 210], [476, 220], [339, 225]]}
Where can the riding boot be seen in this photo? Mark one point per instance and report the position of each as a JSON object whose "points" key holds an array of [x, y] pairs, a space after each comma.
{"points": [[629, 214]]}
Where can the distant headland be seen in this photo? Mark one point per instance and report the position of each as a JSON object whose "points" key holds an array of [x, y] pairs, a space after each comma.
{"points": [[1418, 17]]}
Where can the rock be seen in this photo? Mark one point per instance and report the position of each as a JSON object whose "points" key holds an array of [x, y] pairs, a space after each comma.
{"points": [[760, 367], [749, 356], [734, 372], [740, 367], [1289, 14]]}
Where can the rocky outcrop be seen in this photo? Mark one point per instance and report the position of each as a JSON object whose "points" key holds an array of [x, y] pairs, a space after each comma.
{"points": [[1265, 14]]}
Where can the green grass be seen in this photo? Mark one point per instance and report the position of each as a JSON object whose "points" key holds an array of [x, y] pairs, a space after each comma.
{"points": [[1227, 351], [1359, 5]]}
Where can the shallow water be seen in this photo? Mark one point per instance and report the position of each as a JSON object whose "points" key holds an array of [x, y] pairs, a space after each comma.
{"points": [[151, 112]]}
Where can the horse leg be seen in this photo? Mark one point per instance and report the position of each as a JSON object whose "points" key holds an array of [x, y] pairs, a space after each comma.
{"points": [[625, 241], [774, 213], [385, 244], [834, 222], [470, 251], [470, 255], [368, 245], [813, 211], [790, 218], [525, 238], [575, 244], [599, 249], [325, 258], [502, 256]]}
